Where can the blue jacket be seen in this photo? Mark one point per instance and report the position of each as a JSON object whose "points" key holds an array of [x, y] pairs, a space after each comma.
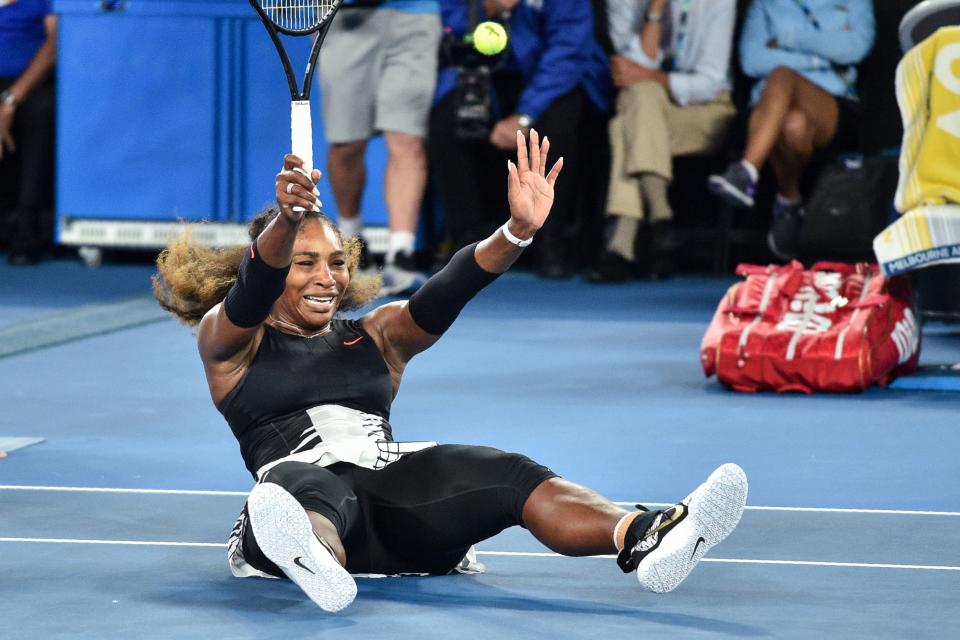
{"points": [[820, 39], [22, 33], [407, 6], [552, 47]]}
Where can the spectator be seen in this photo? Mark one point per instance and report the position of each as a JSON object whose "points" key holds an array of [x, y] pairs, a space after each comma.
{"points": [[28, 42], [803, 53], [378, 70], [552, 77], [672, 66]]}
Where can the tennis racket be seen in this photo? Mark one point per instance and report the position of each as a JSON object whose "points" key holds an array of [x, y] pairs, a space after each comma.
{"points": [[298, 18]]}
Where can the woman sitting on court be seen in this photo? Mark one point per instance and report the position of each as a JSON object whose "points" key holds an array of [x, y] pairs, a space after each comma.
{"points": [[308, 397], [803, 53]]}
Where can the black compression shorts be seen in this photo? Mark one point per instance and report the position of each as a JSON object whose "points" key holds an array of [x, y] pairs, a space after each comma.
{"points": [[418, 515]]}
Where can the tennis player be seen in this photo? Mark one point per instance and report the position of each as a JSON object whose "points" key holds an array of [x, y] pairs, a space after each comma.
{"points": [[308, 395]]}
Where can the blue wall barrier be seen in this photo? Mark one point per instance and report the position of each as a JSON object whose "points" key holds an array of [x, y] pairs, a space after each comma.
{"points": [[172, 110]]}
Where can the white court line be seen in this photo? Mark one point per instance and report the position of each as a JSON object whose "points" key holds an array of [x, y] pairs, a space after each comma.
{"points": [[522, 554], [195, 492], [804, 563], [135, 543], [176, 492], [895, 512]]}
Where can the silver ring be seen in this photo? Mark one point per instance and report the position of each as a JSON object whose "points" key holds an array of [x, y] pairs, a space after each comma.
{"points": [[289, 187]]}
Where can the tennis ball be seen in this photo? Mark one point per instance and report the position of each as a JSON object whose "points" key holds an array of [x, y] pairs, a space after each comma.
{"points": [[489, 38]]}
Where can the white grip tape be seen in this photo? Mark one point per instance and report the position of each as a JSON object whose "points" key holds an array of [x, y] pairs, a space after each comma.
{"points": [[301, 132]]}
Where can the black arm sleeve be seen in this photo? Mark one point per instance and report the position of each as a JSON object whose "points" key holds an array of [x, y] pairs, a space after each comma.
{"points": [[437, 303], [257, 287]]}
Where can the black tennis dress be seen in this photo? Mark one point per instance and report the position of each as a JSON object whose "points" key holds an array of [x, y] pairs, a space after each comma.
{"points": [[311, 415]]}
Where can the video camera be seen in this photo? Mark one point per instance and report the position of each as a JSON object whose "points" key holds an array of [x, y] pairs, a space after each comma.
{"points": [[473, 100]]}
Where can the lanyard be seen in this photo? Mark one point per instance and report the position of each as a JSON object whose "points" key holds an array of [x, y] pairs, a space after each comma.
{"points": [[807, 11], [679, 25], [848, 73]]}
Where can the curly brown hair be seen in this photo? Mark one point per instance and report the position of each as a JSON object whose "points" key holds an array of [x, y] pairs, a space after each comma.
{"points": [[191, 279]]}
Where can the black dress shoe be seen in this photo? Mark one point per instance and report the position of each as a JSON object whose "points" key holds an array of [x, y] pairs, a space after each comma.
{"points": [[551, 262], [22, 258], [663, 249], [612, 267]]}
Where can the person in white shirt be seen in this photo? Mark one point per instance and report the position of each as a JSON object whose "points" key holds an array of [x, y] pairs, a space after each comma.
{"points": [[672, 66]]}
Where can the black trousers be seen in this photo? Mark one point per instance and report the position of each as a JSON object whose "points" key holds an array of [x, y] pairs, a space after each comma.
{"points": [[471, 176], [418, 515], [26, 175]]}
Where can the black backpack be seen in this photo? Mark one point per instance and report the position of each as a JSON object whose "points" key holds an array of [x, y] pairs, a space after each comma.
{"points": [[849, 205]]}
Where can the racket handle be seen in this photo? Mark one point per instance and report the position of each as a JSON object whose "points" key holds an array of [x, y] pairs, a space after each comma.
{"points": [[301, 134]]}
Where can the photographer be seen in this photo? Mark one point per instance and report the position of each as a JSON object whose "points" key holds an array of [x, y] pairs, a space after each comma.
{"points": [[552, 76]]}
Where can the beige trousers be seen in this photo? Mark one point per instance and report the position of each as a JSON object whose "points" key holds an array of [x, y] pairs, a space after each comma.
{"points": [[648, 130]]}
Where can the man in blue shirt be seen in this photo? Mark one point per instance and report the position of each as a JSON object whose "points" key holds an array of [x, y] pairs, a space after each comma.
{"points": [[552, 76], [28, 42]]}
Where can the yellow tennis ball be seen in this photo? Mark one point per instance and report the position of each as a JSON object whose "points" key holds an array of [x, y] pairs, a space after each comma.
{"points": [[489, 38]]}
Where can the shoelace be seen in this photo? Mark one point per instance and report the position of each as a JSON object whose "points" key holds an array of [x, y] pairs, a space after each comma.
{"points": [[631, 556]]}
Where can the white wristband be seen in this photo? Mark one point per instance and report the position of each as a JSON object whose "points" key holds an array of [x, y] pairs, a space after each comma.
{"points": [[514, 239]]}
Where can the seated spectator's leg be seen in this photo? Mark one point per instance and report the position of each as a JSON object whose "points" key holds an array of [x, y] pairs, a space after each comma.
{"points": [[552, 251], [785, 92], [791, 154], [700, 128], [473, 199], [810, 124], [646, 144], [692, 129], [640, 174], [624, 205], [793, 112]]}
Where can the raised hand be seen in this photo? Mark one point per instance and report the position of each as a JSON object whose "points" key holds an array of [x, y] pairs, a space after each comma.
{"points": [[295, 189], [529, 189]]}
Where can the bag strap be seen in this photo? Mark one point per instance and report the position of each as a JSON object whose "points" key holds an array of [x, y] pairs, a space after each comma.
{"points": [[746, 269], [781, 281], [845, 268], [873, 300]]}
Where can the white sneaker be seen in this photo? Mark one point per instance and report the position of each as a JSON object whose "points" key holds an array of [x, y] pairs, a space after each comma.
{"points": [[284, 534], [682, 534]]}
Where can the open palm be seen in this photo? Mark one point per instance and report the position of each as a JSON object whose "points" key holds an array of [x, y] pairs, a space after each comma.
{"points": [[529, 189]]}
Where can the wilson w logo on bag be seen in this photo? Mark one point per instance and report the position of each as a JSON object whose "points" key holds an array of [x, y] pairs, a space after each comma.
{"points": [[834, 327]]}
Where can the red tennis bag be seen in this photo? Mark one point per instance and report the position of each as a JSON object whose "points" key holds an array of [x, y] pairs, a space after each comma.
{"points": [[834, 327]]}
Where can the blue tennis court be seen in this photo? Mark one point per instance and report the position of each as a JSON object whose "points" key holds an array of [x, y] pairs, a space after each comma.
{"points": [[115, 525]]}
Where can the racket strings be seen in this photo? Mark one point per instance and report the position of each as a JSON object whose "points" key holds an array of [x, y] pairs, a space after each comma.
{"points": [[298, 15]]}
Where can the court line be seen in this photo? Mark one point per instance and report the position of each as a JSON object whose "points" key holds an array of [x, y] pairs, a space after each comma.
{"points": [[133, 543], [521, 554], [198, 492], [803, 563], [179, 492]]}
